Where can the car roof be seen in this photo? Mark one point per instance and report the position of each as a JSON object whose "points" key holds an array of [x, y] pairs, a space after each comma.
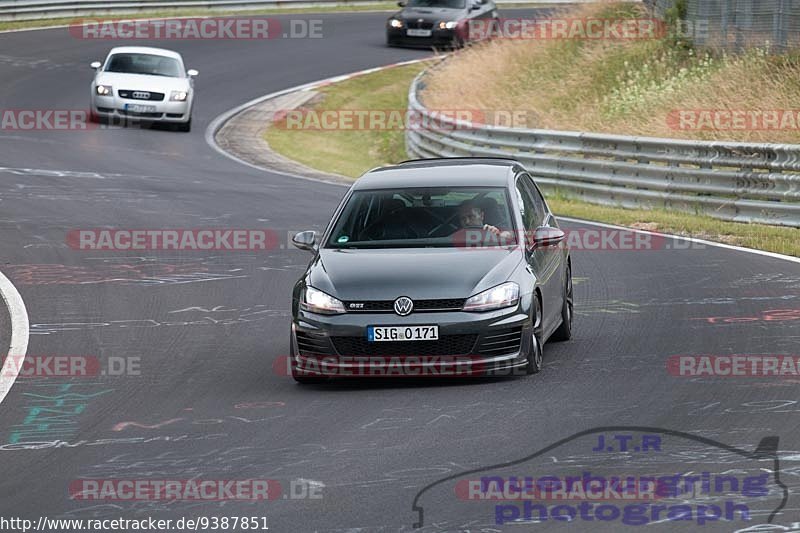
{"points": [[444, 172], [144, 50]]}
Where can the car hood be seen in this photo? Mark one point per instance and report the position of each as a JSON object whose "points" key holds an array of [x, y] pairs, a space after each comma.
{"points": [[427, 273], [142, 82], [430, 13]]}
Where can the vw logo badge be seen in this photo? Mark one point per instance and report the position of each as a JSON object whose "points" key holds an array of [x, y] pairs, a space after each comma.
{"points": [[403, 306], [141, 95]]}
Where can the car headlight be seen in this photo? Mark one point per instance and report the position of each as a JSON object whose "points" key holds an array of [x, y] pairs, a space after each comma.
{"points": [[395, 23], [504, 295], [178, 96], [316, 301], [448, 25], [103, 90]]}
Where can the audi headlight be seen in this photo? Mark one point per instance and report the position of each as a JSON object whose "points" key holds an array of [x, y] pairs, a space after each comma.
{"points": [[505, 295], [103, 90], [448, 25], [316, 301], [395, 23], [178, 96]]}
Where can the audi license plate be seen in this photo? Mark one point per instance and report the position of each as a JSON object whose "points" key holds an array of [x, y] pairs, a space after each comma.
{"points": [[418, 33], [402, 333], [139, 108]]}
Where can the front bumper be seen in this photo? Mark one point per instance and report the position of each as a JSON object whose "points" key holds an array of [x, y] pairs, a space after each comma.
{"points": [[470, 344], [113, 107], [438, 38]]}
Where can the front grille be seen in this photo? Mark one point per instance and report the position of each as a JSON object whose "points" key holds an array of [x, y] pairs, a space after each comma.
{"points": [[310, 344], [416, 25], [136, 114], [387, 306], [125, 93], [446, 345], [501, 342]]}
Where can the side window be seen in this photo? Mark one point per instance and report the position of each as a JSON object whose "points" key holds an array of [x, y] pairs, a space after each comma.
{"points": [[538, 204], [526, 205]]}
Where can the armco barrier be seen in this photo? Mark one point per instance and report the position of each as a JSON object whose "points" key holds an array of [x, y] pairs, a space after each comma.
{"points": [[39, 9], [744, 182], [48, 9]]}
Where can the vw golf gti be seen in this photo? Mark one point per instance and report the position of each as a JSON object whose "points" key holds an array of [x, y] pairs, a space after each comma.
{"points": [[443, 266]]}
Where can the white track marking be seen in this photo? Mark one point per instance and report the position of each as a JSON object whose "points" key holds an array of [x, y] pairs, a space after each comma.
{"points": [[19, 335], [690, 239]]}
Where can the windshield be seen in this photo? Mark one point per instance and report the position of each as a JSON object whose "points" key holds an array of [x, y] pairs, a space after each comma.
{"points": [[450, 4], [425, 217], [153, 65]]}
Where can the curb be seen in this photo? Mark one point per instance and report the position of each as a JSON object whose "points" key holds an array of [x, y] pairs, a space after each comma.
{"points": [[18, 344], [264, 160]]}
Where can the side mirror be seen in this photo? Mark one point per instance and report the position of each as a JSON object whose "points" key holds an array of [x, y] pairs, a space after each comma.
{"points": [[192, 73], [401, 4], [305, 240], [475, 7], [545, 236], [96, 65]]}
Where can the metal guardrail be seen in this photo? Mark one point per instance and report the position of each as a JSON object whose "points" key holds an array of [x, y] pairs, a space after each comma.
{"points": [[41, 9], [732, 181], [48, 9]]}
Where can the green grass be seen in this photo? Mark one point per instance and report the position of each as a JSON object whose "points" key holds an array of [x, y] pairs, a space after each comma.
{"points": [[778, 239], [65, 21], [351, 153]]}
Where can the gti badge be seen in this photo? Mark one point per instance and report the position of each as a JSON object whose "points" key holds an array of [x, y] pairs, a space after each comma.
{"points": [[403, 306]]}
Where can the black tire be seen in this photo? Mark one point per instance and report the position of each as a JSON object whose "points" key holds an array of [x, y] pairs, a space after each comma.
{"points": [[564, 331], [536, 344], [185, 126]]}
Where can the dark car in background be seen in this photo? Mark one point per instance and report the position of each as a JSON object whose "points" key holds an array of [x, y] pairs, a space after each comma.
{"points": [[431, 259], [439, 23]]}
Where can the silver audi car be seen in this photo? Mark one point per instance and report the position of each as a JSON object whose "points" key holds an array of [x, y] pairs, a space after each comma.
{"points": [[143, 84]]}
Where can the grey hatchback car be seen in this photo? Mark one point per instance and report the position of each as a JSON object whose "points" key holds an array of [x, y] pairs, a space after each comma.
{"points": [[433, 267]]}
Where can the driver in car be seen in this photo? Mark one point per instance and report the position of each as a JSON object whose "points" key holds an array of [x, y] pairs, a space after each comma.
{"points": [[472, 215]]}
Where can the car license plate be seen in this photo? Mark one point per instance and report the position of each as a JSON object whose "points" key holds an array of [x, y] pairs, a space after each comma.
{"points": [[139, 108], [402, 333], [418, 33]]}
